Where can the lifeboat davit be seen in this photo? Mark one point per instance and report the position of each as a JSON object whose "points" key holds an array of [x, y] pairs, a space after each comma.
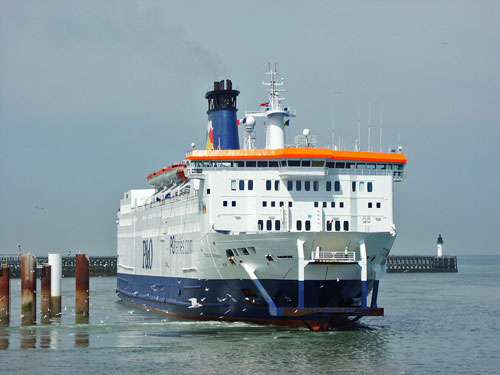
{"points": [[167, 176]]}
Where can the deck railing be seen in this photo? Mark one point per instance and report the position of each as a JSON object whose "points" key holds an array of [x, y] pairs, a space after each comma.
{"points": [[334, 256]]}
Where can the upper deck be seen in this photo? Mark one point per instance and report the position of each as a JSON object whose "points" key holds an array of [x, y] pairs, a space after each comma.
{"points": [[297, 153]]}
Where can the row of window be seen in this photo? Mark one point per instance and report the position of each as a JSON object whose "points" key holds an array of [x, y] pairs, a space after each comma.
{"points": [[368, 186], [296, 163], [290, 203], [308, 185], [240, 251], [307, 225], [241, 184], [330, 224]]}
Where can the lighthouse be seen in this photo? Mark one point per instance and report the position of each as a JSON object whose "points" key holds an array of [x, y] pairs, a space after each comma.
{"points": [[440, 246]]}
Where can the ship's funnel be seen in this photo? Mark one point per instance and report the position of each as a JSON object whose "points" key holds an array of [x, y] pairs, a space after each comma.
{"points": [[222, 131]]}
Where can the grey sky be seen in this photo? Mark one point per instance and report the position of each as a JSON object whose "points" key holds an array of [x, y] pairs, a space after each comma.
{"points": [[96, 95]]}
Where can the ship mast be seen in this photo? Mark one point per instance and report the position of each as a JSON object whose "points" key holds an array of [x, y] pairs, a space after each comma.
{"points": [[274, 114]]}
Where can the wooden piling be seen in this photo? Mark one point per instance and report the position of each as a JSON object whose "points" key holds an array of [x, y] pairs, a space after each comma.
{"points": [[82, 286], [45, 311], [28, 289], [4, 295]]}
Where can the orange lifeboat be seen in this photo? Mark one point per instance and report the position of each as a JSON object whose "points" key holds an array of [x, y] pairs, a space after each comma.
{"points": [[167, 176]]}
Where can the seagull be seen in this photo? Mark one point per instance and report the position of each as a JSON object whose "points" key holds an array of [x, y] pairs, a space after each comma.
{"points": [[194, 303]]}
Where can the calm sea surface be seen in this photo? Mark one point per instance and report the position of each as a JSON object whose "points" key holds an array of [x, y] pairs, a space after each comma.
{"points": [[434, 323]]}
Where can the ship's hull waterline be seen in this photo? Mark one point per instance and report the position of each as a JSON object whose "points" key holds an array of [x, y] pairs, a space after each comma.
{"points": [[211, 290]]}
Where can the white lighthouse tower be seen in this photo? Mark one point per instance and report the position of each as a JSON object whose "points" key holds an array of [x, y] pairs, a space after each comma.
{"points": [[440, 246]]}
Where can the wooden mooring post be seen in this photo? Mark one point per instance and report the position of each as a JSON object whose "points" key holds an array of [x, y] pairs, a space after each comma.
{"points": [[28, 289], [45, 312], [82, 288], [4, 295]]}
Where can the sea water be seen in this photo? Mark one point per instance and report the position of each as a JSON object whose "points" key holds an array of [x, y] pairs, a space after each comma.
{"points": [[434, 323]]}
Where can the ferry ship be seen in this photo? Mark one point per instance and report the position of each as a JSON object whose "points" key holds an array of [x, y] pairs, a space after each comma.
{"points": [[291, 235]]}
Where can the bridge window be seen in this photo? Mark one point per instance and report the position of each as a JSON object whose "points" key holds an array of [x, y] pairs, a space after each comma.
{"points": [[330, 164], [269, 224], [350, 165], [250, 184], [276, 185], [268, 184], [370, 187], [273, 164], [251, 164], [306, 163], [294, 163], [315, 185], [337, 185], [328, 186], [346, 226], [298, 185], [262, 164], [239, 164], [260, 224], [361, 165], [299, 225], [307, 185], [242, 184], [340, 165], [371, 165], [308, 225], [318, 163], [289, 185]]}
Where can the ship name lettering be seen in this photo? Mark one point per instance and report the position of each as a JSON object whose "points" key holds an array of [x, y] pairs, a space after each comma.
{"points": [[180, 246]]}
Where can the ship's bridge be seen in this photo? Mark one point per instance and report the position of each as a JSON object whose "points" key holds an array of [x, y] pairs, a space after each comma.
{"points": [[306, 162]]}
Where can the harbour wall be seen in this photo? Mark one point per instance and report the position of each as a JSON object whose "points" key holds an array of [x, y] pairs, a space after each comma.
{"points": [[106, 266], [421, 263], [98, 266]]}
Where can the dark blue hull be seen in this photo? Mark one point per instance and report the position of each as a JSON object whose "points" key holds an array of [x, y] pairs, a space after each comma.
{"points": [[235, 300]]}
